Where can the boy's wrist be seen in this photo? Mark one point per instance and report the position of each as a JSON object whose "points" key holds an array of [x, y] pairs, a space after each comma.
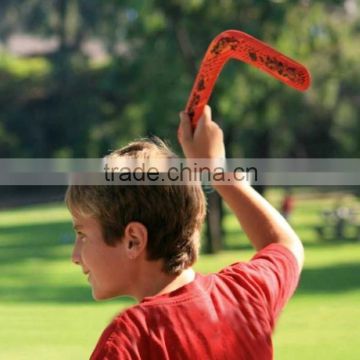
{"points": [[207, 165], [214, 172], [230, 179]]}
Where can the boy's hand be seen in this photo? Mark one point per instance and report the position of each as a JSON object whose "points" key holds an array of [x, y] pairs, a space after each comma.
{"points": [[206, 142]]}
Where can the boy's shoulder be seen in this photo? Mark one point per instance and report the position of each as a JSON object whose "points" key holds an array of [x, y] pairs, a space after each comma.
{"points": [[269, 279], [272, 256]]}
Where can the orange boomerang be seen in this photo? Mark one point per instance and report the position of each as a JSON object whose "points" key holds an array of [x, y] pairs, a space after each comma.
{"points": [[233, 44]]}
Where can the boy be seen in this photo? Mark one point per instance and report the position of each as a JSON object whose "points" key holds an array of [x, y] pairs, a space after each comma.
{"points": [[142, 241]]}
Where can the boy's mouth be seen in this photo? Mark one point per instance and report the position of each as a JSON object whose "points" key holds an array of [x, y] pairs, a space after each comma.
{"points": [[87, 274]]}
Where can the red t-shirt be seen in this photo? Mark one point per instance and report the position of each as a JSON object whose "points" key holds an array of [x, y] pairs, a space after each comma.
{"points": [[229, 315]]}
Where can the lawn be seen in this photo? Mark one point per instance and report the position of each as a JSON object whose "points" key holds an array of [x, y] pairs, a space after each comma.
{"points": [[47, 312]]}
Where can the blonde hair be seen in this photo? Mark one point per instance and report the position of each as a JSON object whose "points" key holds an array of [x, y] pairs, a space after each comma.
{"points": [[172, 214]]}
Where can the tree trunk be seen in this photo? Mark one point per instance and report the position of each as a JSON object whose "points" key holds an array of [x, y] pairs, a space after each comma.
{"points": [[213, 222], [61, 7]]}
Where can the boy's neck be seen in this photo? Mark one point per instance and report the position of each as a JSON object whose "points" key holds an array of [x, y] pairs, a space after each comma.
{"points": [[159, 283]]}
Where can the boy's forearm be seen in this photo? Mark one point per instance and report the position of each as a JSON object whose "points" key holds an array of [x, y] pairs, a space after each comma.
{"points": [[261, 222]]}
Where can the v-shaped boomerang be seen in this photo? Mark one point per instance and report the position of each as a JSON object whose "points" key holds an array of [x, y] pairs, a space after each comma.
{"points": [[233, 44]]}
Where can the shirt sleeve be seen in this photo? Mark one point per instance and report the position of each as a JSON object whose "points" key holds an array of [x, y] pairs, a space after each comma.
{"points": [[270, 278]]}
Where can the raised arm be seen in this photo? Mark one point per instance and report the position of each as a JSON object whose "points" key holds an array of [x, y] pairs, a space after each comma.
{"points": [[261, 222]]}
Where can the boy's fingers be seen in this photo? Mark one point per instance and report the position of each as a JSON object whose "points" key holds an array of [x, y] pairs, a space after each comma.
{"points": [[185, 129]]}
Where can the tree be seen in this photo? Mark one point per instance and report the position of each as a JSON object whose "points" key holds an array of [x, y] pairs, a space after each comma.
{"points": [[80, 109]]}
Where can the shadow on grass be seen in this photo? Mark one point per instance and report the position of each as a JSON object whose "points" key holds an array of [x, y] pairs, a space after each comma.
{"points": [[330, 279], [38, 241], [237, 240], [45, 293], [51, 294]]}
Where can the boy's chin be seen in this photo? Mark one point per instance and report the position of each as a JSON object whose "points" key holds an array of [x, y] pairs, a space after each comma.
{"points": [[103, 295]]}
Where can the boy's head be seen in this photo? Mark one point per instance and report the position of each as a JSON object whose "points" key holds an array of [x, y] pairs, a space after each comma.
{"points": [[170, 215]]}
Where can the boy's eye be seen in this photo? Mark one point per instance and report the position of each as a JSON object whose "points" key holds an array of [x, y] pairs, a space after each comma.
{"points": [[81, 236]]}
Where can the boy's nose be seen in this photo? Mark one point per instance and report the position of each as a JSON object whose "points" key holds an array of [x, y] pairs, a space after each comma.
{"points": [[75, 256]]}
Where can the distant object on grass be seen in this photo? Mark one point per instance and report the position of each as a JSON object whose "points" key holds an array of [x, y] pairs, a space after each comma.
{"points": [[340, 223]]}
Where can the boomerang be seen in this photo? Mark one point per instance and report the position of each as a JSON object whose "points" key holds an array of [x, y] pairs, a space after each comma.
{"points": [[233, 44]]}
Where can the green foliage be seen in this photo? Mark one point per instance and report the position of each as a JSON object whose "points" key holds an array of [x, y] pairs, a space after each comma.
{"points": [[65, 105], [24, 68]]}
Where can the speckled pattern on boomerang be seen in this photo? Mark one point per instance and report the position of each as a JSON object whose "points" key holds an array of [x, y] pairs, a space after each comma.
{"points": [[233, 44]]}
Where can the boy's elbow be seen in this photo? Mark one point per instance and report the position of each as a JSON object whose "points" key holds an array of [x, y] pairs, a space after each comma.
{"points": [[296, 247]]}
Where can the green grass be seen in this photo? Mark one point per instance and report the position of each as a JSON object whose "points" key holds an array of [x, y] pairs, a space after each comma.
{"points": [[47, 311]]}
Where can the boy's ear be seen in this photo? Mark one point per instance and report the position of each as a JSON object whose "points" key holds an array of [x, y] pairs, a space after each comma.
{"points": [[135, 239]]}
